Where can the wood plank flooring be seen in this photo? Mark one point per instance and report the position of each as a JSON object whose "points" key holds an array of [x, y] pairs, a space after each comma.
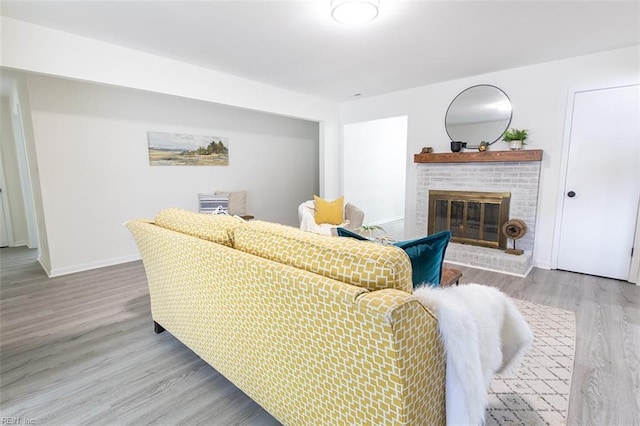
{"points": [[80, 349]]}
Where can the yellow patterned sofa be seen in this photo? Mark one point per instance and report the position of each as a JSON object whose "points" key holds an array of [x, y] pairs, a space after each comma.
{"points": [[318, 330]]}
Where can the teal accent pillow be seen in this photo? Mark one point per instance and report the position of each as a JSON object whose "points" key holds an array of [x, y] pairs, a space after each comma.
{"points": [[346, 233], [426, 255]]}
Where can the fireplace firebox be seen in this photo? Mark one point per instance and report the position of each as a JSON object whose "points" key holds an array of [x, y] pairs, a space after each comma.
{"points": [[474, 218]]}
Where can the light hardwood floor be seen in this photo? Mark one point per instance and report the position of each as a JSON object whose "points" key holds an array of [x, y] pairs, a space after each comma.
{"points": [[80, 349]]}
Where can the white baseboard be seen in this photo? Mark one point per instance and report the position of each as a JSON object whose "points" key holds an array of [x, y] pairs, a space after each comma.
{"points": [[387, 220], [45, 267], [56, 272], [542, 264]]}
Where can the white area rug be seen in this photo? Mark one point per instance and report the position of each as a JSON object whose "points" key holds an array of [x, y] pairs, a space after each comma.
{"points": [[537, 393]]}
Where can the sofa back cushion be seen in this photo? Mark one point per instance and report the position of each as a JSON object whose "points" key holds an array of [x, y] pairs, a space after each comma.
{"points": [[426, 254], [216, 228], [372, 266]]}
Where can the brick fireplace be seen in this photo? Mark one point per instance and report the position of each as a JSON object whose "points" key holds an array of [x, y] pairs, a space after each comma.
{"points": [[514, 172]]}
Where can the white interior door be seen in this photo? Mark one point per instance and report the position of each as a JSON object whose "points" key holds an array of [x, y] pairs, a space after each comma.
{"points": [[603, 183]]}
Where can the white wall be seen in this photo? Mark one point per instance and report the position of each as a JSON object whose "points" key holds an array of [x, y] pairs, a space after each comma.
{"points": [[37, 49], [374, 157], [92, 153], [30, 47], [539, 96]]}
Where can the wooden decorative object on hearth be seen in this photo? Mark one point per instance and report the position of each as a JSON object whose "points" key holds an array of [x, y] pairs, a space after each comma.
{"points": [[514, 229]]}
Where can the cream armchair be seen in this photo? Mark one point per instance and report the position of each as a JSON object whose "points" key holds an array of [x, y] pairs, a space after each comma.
{"points": [[353, 218]]}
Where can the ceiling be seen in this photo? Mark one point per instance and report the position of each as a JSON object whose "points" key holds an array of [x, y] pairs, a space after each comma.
{"points": [[295, 45]]}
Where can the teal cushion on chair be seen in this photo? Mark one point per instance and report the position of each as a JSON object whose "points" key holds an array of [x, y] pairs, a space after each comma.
{"points": [[426, 255]]}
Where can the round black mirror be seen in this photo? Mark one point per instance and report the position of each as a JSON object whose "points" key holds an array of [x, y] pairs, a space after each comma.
{"points": [[479, 113]]}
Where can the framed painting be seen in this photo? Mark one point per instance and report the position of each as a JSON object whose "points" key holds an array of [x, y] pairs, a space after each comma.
{"points": [[176, 149]]}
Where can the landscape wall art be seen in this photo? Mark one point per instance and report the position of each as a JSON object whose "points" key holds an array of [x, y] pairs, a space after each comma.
{"points": [[175, 149]]}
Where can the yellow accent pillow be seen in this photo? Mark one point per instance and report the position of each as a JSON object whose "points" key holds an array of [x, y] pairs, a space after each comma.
{"points": [[331, 212]]}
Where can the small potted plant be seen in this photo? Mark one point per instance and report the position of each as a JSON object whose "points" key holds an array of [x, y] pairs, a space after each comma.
{"points": [[516, 138], [368, 231]]}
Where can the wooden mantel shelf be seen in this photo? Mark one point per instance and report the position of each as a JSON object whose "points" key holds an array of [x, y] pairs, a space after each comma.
{"points": [[480, 157]]}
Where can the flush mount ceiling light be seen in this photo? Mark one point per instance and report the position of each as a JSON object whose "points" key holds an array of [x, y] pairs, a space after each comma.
{"points": [[354, 11]]}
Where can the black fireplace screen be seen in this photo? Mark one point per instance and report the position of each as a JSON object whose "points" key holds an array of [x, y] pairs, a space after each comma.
{"points": [[472, 217]]}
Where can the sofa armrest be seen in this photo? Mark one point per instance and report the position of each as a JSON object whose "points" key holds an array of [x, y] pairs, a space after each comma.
{"points": [[419, 352]]}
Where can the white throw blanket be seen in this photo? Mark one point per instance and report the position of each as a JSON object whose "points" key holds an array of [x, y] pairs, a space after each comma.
{"points": [[483, 333]]}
